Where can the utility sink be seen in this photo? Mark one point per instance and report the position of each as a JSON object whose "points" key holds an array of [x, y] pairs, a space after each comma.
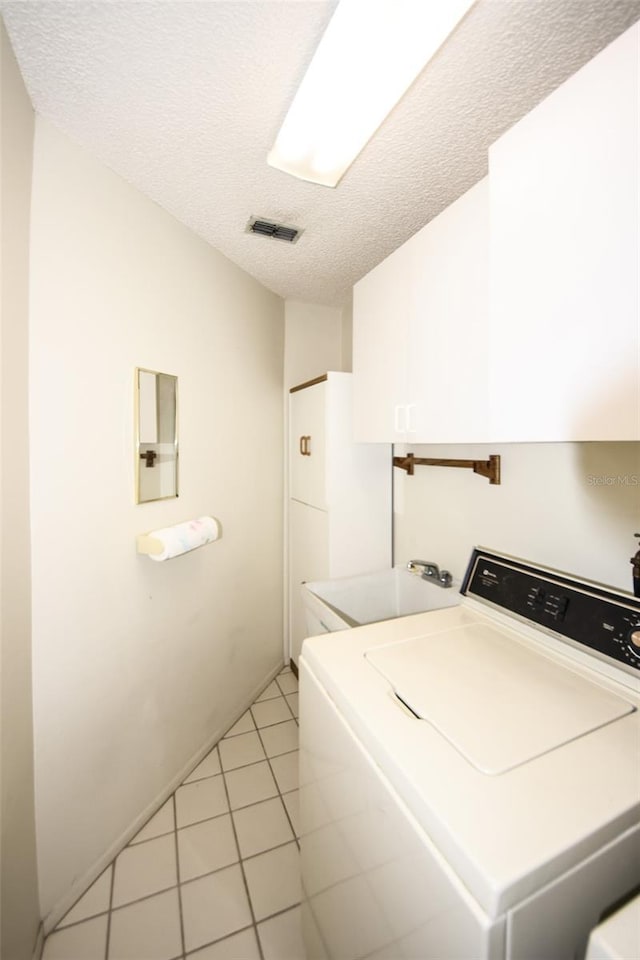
{"points": [[352, 601]]}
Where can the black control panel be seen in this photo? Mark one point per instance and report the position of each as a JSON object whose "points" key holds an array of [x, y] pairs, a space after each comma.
{"points": [[584, 612]]}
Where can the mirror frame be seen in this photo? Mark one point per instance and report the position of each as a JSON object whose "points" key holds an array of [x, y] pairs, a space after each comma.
{"points": [[136, 407]]}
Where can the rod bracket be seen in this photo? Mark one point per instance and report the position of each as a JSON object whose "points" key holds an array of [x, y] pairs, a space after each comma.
{"points": [[484, 468]]}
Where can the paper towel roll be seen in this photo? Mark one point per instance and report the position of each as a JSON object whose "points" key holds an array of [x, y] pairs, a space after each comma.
{"points": [[173, 541]]}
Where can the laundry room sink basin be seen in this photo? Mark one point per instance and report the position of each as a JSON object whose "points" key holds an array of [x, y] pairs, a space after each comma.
{"points": [[351, 601]]}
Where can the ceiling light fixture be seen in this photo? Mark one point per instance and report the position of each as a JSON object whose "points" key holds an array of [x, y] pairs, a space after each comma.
{"points": [[370, 54]]}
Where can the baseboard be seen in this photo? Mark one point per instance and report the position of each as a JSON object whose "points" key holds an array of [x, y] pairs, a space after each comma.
{"points": [[82, 885]]}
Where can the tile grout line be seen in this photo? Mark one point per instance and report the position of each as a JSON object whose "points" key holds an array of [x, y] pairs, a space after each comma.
{"points": [[295, 835], [284, 696], [232, 736], [266, 699], [242, 871], [250, 926], [252, 763], [291, 692], [175, 837], [217, 816], [182, 883], [297, 723], [264, 726], [111, 889], [227, 936], [291, 708], [210, 873], [278, 722], [144, 897], [140, 843], [214, 749], [279, 913], [76, 923], [260, 853]]}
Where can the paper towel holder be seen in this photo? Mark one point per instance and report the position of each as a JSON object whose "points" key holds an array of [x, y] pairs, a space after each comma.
{"points": [[200, 532]]}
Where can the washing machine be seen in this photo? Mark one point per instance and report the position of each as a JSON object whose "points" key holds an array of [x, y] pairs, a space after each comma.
{"points": [[470, 777], [618, 936]]}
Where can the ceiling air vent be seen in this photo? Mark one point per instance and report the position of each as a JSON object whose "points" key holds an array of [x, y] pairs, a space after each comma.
{"points": [[267, 228]]}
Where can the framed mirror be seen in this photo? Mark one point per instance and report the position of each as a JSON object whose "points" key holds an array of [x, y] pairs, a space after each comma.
{"points": [[156, 424]]}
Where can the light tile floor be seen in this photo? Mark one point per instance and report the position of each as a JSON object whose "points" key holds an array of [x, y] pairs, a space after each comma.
{"points": [[214, 874]]}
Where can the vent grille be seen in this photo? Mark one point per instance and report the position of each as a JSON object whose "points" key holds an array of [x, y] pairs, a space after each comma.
{"points": [[278, 231]]}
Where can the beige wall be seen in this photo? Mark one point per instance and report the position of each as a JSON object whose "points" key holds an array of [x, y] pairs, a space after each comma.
{"points": [[138, 664], [20, 913], [347, 336], [313, 341], [571, 506]]}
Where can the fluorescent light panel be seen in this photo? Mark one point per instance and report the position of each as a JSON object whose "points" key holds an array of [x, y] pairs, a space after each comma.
{"points": [[370, 54]]}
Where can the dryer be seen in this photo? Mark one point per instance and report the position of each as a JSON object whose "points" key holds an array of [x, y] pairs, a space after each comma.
{"points": [[470, 777]]}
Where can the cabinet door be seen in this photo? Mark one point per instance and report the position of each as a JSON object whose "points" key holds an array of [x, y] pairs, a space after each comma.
{"points": [[564, 260], [307, 476], [448, 324], [380, 324], [420, 333], [308, 560]]}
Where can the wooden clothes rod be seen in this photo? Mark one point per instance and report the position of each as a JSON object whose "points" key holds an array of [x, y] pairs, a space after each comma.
{"points": [[485, 468]]}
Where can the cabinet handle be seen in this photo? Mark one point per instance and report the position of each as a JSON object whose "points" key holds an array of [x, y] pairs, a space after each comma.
{"points": [[400, 419], [302, 439], [411, 419], [307, 446]]}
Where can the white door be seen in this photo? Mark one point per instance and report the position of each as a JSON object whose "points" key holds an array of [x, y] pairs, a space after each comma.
{"points": [[308, 560], [307, 415]]}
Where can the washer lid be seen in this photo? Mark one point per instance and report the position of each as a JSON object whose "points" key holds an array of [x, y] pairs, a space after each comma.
{"points": [[494, 699]]}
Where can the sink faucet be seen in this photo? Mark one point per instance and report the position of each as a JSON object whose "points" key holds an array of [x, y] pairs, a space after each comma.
{"points": [[431, 571]]}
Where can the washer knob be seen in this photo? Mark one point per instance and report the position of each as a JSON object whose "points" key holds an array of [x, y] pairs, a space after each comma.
{"points": [[634, 636]]}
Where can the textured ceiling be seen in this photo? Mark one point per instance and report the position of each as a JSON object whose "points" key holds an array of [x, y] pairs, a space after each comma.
{"points": [[184, 100]]}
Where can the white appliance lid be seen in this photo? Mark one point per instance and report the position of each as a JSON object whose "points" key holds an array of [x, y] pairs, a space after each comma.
{"points": [[496, 701]]}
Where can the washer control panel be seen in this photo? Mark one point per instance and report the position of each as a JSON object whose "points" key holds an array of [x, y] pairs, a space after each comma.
{"points": [[583, 612]]}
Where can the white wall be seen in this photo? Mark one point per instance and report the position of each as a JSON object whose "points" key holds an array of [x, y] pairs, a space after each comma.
{"points": [[138, 664], [571, 506], [313, 341], [19, 883]]}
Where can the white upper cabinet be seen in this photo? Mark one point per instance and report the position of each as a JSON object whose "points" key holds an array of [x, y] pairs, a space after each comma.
{"points": [[380, 338], [514, 316], [420, 333], [565, 361], [448, 326]]}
